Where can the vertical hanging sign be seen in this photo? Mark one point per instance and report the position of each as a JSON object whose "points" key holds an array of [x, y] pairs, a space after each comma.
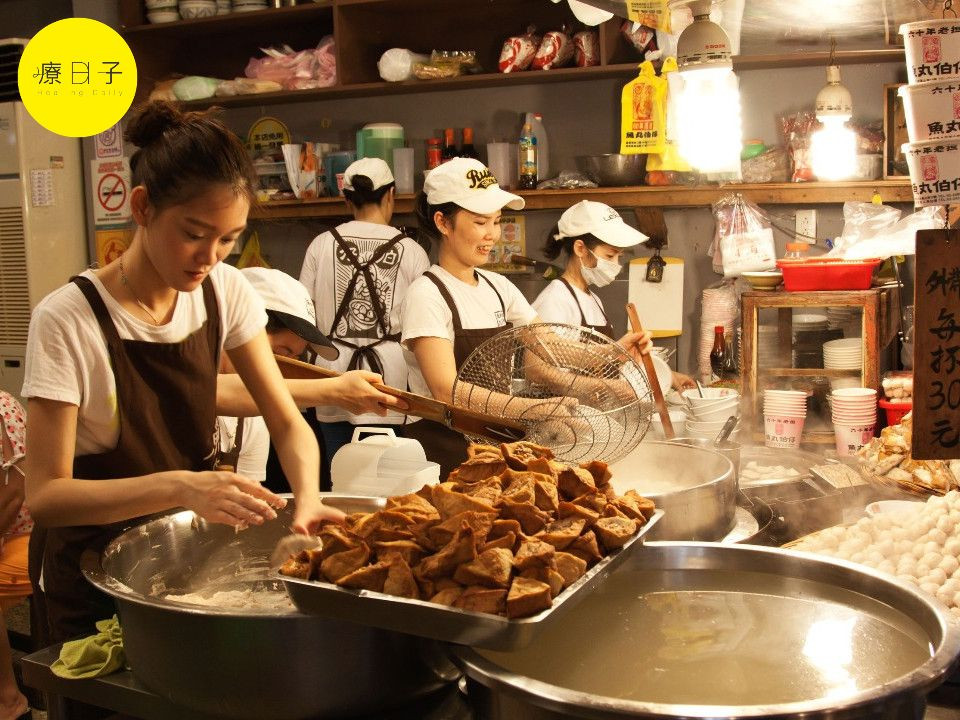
{"points": [[936, 362]]}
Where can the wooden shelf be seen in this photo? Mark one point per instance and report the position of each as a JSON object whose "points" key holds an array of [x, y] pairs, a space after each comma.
{"points": [[812, 372], [231, 22], [627, 197]]}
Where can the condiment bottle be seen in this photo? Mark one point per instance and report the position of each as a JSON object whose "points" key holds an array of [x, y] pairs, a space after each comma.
{"points": [[468, 150], [433, 153], [796, 251], [717, 354], [528, 159], [449, 145]]}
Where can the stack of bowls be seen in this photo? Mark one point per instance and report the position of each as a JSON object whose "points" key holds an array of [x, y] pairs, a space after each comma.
{"points": [[249, 5], [784, 412], [710, 412], [929, 103], [845, 319], [854, 418], [678, 419], [162, 11], [845, 354]]}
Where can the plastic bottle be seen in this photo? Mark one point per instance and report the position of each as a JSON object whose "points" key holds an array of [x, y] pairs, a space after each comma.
{"points": [[540, 133], [468, 150], [796, 251], [433, 153], [528, 159], [717, 353], [449, 145]]}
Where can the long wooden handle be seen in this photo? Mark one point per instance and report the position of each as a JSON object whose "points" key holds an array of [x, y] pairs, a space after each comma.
{"points": [[635, 325]]}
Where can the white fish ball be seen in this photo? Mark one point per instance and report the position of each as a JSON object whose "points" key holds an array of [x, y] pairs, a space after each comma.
{"points": [[887, 567], [918, 551], [952, 546], [922, 570], [858, 556], [951, 585], [946, 525], [956, 599], [937, 536], [874, 556], [949, 564], [929, 587], [937, 576], [944, 596], [932, 546], [931, 559]]}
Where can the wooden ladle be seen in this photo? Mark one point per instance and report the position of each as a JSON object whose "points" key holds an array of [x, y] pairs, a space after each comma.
{"points": [[635, 325]]}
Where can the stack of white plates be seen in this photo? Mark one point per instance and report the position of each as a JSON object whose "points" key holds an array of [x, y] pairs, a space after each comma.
{"points": [[807, 322], [767, 344], [846, 319], [846, 354]]}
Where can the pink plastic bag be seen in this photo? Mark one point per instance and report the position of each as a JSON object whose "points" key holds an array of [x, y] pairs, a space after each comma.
{"points": [[301, 70]]}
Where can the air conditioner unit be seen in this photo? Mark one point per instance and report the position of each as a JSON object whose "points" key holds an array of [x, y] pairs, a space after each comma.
{"points": [[42, 227], [10, 51]]}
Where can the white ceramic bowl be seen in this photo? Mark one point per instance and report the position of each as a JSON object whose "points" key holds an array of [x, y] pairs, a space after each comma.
{"points": [[160, 4], [717, 414], [163, 16], [678, 419], [931, 56], [763, 279], [193, 9], [894, 506]]}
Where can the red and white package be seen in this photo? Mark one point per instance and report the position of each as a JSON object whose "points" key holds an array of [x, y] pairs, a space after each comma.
{"points": [[639, 36], [586, 49], [518, 52], [556, 50]]}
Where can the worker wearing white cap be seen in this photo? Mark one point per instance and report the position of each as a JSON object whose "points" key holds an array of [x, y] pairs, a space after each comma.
{"points": [[456, 306], [357, 274], [593, 236]]}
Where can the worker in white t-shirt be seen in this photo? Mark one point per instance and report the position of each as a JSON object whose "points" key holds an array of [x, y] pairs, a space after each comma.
{"points": [[357, 274], [593, 236], [455, 306]]}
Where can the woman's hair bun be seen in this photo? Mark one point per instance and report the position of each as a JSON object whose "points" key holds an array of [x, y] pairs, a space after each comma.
{"points": [[151, 120]]}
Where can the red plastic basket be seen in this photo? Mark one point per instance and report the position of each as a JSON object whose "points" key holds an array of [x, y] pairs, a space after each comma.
{"points": [[827, 274], [895, 410]]}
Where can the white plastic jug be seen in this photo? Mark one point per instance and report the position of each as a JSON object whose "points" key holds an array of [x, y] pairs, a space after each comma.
{"points": [[381, 465]]}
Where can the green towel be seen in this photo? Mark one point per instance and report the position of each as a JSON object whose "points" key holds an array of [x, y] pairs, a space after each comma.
{"points": [[92, 656]]}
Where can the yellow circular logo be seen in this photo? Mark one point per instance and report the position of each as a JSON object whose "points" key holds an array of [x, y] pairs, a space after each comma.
{"points": [[77, 77]]}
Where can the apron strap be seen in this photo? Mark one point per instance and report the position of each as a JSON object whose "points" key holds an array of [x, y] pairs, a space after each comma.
{"points": [[503, 308], [100, 311], [583, 318], [447, 298]]}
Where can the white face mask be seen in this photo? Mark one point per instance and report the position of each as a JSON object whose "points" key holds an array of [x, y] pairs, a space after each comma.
{"points": [[603, 274]]}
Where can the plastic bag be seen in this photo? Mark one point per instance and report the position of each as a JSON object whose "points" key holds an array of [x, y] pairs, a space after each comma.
{"points": [[246, 86], [743, 241], [652, 13], [878, 231], [567, 180], [251, 257], [294, 70], [518, 51], [796, 130], [586, 49], [556, 50], [195, 87], [643, 113], [397, 64]]}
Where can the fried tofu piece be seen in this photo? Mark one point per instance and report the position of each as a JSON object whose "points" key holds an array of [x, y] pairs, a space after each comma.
{"points": [[646, 506], [561, 533], [371, 577], [344, 563], [519, 454], [488, 490], [527, 597], [409, 550], [482, 599], [450, 503], [478, 469], [629, 506], [533, 553], [447, 596], [508, 542], [492, 568], [400, 581], [612, 510], [569, 509], [574, 482], [546, 575], [600, 472], [545, 495], [520, 490], [503, 526], [586, 548], [570, 567], [476, 449], [481, 522], [594, 500], [413, 506], [297, 566], [531, 518], [614, 532], [336, 538], [462, 548], [543, 466]]}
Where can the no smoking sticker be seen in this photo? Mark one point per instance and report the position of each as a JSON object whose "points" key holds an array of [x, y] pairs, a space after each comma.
{"points": [[111, 185]]}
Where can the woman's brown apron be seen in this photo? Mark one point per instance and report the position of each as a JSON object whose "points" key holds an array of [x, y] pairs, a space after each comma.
{"points": [[166, 401], [231, 460], [605, 330], [441, 444]]}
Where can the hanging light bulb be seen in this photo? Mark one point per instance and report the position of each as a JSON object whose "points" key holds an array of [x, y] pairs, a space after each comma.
{"points": [[709, 134], [833, 148]]}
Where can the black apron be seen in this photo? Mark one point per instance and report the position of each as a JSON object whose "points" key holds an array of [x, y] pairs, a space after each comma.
{"points": [[166, 401], [607, 329], [231, 460], [364, 354], [441, 444]]}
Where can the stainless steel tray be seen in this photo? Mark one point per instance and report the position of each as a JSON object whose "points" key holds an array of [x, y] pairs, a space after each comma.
{"points": [[427, 619]]}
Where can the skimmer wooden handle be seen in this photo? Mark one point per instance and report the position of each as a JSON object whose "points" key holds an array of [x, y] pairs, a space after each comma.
{"points": [[635, 325]]}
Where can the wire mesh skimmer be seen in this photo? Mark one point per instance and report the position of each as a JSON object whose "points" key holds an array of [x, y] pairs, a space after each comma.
{"points": [[578, 392]]}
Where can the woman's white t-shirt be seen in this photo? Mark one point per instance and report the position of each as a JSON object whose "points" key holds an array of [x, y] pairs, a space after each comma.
{"points": [[252, 462], [426, 314], [555, 304], [67, 358], [326, 276]]}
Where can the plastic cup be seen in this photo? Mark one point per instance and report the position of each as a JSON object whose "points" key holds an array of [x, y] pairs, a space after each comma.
{"points": [[403, 170], [851, 436], [782, 431]]}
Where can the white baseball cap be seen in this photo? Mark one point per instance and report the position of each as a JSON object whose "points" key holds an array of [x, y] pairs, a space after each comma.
{"points": [[289, 302], [469, 184], [601, 221], [374, 168]]}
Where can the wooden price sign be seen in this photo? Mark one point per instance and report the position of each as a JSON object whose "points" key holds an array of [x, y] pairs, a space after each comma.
{"points": [[936, 358]]}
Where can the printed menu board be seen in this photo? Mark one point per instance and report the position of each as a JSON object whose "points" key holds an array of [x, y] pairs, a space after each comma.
{"points": [[936, 360]]}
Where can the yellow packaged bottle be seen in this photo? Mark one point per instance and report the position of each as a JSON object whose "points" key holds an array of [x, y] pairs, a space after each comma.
{"points": [[669, 160], [652, 13], [642, 113]]}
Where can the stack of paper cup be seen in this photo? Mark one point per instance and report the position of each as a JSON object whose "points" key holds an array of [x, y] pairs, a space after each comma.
{"points": [[784, 412], [854, 418]]}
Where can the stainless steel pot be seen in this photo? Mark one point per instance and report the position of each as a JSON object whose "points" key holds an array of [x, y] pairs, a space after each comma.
{"points": [[252, 663], [682, 629], [696, 488]]}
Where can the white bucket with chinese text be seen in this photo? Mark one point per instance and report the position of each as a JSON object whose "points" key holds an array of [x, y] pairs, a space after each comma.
{"points": [[933, 50], [782, 431], [934, 171], [932, 110], [851, 435]]}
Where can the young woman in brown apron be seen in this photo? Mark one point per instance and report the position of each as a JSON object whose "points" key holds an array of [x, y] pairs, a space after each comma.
{"points": [[121, 370], [358, 274], [593, 236], [456, 306]]}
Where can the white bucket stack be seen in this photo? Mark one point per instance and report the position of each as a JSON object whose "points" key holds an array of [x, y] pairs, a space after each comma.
{"points": [[784, 412], [854, 418], [931, 104]]}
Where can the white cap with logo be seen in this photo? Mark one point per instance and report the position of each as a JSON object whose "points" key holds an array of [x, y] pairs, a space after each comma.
{"points": [[602, 221], [289, 302], [470, 184], [374, 168]]}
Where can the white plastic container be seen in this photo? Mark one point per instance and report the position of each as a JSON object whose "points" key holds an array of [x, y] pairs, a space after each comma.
{"points": [[933, 50], [381, 465], [934, 171], [932, 110]]}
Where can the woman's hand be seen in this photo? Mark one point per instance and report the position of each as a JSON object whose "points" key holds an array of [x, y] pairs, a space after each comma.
{"points": [[228, 498], [679, 381], [637, 344], [311, 513], [356, 394]]}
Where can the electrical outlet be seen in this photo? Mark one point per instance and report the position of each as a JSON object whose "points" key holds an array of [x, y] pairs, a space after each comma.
{"points": [[806, 226]]}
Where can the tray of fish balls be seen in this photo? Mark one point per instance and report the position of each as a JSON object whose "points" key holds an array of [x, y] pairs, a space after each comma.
{"points": [[512, 538]]}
